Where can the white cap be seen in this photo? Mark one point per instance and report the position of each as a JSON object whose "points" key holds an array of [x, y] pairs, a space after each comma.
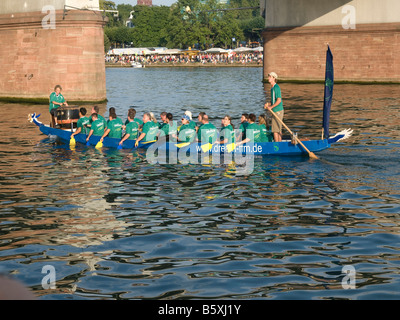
{"points": [[273, 74], [189, 114]]}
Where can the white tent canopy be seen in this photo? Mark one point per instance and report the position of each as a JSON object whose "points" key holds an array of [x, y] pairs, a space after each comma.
{"points": [[130, 51], [216, 50], [171, 51], [258, 49], [242, 49]]}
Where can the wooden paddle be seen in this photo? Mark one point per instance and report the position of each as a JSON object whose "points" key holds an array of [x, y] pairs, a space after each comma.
{"points": [[310, 154]]}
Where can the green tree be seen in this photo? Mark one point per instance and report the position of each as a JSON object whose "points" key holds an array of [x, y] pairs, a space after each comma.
{"points": [[184, 24], [112, 20], [149, 24], [193, 22], [222, 25], [107, 43], [124, 11], [119, 36], [245, 14], [252, 28]]}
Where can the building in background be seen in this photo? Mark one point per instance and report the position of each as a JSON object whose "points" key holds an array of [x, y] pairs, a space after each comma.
{"points": [[364, 36], [145, 3]]}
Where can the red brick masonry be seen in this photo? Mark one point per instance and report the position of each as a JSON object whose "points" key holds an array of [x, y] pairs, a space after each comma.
{"points": [[369, 53], [33, 59]]}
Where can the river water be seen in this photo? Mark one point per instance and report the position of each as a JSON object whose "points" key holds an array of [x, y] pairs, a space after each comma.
{"points": [[114, 226]]}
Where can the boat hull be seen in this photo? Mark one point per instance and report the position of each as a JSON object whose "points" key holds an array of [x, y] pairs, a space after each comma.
{"points": [[284, 148]]}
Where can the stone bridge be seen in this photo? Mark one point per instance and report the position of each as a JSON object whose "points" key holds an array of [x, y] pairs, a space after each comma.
{"points": [[364, 36], [50, 42]]}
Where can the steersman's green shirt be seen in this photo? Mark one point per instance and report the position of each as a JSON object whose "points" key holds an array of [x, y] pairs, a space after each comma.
{"points": [[275, 94]]}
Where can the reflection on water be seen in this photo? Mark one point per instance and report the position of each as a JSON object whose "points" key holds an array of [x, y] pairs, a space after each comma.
{"points": [[116, 227]]}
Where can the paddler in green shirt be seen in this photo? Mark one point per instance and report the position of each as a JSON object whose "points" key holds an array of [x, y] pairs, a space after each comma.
{"points": [[200, 119], [56, 100], [227, 133], [112, 111], [207, 132], [266, 135], [131, 129], [244, 122], [192, 123], [114, 128], [169, 128], [253, 131], [82, 122], [97, 128], [276, 106], [149, 130], [137, 120], [186, 132], [163, 117], [96, 110]]}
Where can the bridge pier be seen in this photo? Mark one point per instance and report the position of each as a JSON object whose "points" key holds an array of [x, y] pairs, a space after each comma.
{"points": [[43, 49], [364, 37]]}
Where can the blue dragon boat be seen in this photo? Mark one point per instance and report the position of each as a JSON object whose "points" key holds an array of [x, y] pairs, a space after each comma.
{"points": [[284, 148]]}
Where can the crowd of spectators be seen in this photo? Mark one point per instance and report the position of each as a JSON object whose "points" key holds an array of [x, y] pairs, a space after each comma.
{"points": [[179, 59]]}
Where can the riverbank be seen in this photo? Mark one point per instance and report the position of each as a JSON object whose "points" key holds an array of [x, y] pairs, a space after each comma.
{"points": [[189, 65]]}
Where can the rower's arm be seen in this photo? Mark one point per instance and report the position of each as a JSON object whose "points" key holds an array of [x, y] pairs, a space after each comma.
{"points": [[142, 135], [76, 132], [242, 142], [105, 134], [89, 135], [126, 137]]}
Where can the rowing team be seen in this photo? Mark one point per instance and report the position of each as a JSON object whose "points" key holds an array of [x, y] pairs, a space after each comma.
{"points": [[149, 129]]}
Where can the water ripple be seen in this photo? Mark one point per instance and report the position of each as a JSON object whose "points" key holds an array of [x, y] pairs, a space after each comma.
{"points": [[116, 227]]}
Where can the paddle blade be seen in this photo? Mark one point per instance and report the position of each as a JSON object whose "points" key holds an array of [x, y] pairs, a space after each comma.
{"points": [[312, 155], [181, 145], [230, 147], [206, 147], [99, 145], [146, 142], [72, 141]]}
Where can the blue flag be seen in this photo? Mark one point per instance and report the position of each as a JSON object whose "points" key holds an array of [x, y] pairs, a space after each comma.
{"points": [[328, 92]]}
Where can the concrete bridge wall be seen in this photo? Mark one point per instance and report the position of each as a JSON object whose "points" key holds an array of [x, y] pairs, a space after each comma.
{"points": [[40, 50]]}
